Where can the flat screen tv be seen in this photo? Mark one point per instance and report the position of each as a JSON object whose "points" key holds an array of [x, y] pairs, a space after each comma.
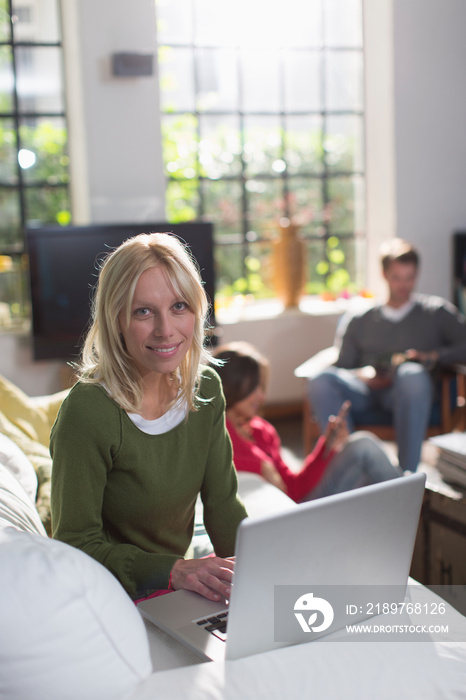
{"points": [[459, 270], [63, 271]]}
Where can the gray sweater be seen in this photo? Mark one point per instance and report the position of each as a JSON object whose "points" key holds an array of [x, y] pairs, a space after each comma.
{"points": [[432, 324]]}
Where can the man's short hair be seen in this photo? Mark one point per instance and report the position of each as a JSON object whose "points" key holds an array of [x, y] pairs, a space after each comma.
{"points": [[398, 250]]}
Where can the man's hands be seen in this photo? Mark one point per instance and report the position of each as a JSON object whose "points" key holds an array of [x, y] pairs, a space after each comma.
{"points": [[211, 577], [374, 380], [381, 380], [428, 359]]}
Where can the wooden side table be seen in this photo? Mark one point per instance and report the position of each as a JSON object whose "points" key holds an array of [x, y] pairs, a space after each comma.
{"points": [[440, 549]]}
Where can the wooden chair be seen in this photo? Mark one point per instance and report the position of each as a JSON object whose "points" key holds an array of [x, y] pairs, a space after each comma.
{"points": [[452, 401]]}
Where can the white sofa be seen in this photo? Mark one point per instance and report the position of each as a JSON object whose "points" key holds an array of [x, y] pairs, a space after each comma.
{"points": [[68, 631], [67, 627]]}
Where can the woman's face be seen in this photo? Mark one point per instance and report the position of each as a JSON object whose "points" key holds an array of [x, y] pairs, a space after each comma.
{"points": [[243, 411], [161, 326]]}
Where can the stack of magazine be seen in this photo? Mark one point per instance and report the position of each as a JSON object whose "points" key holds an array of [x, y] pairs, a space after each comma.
{"points": [[452, 456]]}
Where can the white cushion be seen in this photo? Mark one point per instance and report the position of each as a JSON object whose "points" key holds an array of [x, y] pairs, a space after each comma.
{"points": [[68, 629], [14, 459], [16, 508], [260, 497]]}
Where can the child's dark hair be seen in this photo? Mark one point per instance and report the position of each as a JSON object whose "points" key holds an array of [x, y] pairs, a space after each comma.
{"points": [[242, 370]]}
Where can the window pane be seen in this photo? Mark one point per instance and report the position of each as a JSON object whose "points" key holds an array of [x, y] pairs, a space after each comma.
{"points": [[270, 24], [303, 144], [332, 266], [260, 81], [8, 152], [336, 272], [217, 80], [182, 200], [305, 32], [180, 145], [39, 79], [303, 81], [276, 104], [47, 205], [220, 146], [359, 192], [13, 305], [305, 204], [10, 221], [348, 247], [5, 34], [344, 142], [263, 149], [223, 206], [30, 146], [345, 205], [260, 269], [343, 22], [174, 21], [176, 79], [43, 156], [266, 205], [6, 79], [216, 22], [229, 268], [344, 80], [38, 21], [243, 271], [315, 282]]}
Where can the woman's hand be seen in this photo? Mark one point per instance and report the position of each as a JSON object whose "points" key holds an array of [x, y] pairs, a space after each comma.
{"points": [[211, 577]]}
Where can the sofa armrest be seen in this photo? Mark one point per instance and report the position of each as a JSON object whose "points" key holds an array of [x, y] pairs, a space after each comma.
{"points": [[317, 363], [259, 497]]}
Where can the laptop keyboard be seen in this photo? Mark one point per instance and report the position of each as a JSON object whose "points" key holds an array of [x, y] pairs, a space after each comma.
{"points": [[216, 625]]}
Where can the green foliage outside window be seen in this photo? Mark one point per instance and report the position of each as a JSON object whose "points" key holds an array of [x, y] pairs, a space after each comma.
{"points": [[204, 181], [46, 196]]}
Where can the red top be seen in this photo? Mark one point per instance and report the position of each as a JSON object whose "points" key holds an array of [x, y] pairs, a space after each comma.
{"points": [[265, 445]]}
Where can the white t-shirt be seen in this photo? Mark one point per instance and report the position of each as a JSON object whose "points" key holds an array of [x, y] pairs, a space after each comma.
{"points": [[158, 426], [392, 314]]}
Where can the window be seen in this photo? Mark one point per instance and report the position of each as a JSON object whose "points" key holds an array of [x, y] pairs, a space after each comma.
{"points": [[262, 119], [33, 140]]}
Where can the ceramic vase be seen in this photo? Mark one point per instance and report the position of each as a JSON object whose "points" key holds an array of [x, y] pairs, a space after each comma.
{"points": [[289, 264]]}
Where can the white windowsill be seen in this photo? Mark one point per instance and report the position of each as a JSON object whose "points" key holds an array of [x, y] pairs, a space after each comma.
{"points": [[273, 308]]}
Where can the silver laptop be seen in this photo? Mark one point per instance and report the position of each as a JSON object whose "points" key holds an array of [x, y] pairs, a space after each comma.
{"points": [[355, 539]]}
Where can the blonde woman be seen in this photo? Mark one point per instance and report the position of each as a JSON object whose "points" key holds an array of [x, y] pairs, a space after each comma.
{"points": [[142, 433]]}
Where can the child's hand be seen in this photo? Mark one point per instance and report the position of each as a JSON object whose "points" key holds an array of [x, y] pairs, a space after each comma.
{"points": [[336, 432]]}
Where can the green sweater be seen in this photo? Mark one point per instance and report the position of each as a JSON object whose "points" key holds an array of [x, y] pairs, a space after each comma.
{"points": [[127, 498]]}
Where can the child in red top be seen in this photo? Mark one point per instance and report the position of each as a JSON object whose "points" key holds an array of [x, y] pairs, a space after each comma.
{"points": [[338, 462]]}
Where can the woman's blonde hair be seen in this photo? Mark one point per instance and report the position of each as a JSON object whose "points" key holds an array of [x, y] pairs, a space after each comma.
{"points": [[104, 357]]}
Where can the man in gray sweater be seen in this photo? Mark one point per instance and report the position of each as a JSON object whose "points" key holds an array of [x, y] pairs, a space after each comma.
{"points": [[389, 355]]}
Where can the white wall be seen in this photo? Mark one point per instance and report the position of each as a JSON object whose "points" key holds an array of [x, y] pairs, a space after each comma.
{"points": [[379, 135], [287, 340], [430, 119], [17, 365], [114, 121]]}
